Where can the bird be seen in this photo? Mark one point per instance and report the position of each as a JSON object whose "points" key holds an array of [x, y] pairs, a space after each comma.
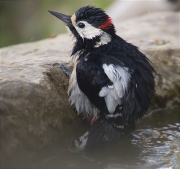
{"points": [[112, 82]]}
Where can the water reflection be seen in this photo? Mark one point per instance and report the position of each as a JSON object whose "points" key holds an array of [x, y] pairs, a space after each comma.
{"points": [[160, 144], [154, 144]]}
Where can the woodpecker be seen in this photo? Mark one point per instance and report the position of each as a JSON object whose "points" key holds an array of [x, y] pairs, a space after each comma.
{"points": [[112, 82]]}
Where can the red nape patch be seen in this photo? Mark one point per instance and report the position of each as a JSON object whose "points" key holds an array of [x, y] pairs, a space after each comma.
{"points": [[105, 25]]}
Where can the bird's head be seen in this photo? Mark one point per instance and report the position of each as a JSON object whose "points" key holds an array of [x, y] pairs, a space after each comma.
{"points": [[89, 24]]}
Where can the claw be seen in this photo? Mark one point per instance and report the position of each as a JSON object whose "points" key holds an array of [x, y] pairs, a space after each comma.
{"points": [[63, 68]]}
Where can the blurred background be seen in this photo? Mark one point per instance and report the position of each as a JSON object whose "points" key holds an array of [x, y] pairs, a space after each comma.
{"points": [[28, 20]]}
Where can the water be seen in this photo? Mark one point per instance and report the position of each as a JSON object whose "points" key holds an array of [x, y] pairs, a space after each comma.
{"points": [[154, 144]]}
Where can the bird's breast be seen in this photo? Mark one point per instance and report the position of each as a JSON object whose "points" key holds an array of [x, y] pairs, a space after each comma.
{"points": [[91, 78], [79, 99]]}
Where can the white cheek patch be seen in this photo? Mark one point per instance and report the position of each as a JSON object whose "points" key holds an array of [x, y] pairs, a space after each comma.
{"points": [[88, 31], [104, 39]]}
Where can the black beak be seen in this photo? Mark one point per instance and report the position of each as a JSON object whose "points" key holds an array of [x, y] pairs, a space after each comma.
{"points": [[65, 18]]}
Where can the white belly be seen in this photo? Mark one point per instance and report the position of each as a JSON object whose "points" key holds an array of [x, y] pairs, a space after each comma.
{"points": [[77, 98]]}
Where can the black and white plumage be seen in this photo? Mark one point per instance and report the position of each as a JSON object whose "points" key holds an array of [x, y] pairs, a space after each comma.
{"points": [[112, 81]]}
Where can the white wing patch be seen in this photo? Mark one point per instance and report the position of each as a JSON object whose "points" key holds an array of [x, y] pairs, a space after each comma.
{"points": [[113, 94]]}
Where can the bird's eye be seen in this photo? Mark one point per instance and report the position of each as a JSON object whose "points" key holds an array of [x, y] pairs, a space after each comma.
{"points": [[81, 25]]}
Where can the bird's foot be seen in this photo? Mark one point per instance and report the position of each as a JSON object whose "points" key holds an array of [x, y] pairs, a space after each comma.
{"points": [[63, 68]]}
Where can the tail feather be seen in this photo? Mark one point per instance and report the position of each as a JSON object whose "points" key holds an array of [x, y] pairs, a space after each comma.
{"points": [[102, 131]]}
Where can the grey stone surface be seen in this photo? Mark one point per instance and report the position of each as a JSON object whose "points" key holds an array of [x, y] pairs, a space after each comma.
{"points": [[34, 107], [119, 10]]}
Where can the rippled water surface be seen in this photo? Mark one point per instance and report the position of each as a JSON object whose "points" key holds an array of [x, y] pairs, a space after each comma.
{"points": [[154, 144]]}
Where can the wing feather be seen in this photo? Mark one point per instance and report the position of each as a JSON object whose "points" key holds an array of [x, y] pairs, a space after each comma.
{"points": [[114, 94], [111, 103], [104, 91]]}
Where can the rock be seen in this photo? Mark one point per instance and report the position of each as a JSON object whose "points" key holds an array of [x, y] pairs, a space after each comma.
{"points": [[119, 10], [34, 107]]}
